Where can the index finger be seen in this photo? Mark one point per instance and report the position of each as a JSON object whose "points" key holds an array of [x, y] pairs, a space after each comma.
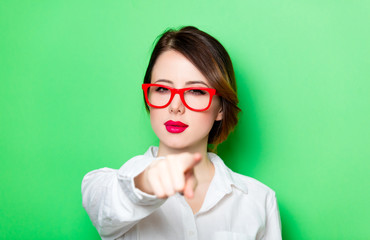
{"points": [[190, 160]]}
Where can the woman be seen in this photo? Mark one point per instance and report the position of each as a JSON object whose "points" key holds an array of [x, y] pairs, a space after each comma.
{"points": [[178, 190]]}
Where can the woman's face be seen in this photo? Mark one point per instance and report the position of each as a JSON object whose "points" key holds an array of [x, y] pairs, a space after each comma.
{"points": [[175, 70]]}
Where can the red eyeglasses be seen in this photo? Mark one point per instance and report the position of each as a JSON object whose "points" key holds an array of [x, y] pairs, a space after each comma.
{"points": [[195, 98]]}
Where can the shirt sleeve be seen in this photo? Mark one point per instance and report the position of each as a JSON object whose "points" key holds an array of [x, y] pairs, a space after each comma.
{"points": [[273, 222], [112, 201]]}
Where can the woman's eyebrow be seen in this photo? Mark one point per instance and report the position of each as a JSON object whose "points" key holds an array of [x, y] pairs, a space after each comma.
{"points": [[186, 83], [196, 82], [163, 80]]}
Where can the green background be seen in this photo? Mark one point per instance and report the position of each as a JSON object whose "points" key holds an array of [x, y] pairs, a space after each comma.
{"points": [[70, 102]]}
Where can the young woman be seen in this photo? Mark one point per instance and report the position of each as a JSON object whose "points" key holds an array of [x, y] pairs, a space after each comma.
{"points": [[178, 190]]}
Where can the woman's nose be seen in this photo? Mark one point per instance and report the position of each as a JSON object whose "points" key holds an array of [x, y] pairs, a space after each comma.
{"points": [[176, 105]]}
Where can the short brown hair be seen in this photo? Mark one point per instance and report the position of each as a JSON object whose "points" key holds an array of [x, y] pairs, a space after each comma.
{"points": [[213, 61]]}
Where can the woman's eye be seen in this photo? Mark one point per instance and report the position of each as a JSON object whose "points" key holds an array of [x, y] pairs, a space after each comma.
{"points": [[161, 89], [197, 92]]}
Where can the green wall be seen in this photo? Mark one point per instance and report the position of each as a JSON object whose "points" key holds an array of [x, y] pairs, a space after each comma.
{"points": [[70, 102]]}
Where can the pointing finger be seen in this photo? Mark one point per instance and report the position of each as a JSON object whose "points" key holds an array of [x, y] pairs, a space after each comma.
{"points": [[190, 184], [190, 160]]}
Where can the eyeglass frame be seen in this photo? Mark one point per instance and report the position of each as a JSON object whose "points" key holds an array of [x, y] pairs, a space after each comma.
{"points": [[212, 92]]}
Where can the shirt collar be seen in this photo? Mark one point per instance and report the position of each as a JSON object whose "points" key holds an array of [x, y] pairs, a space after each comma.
{"points": [[225, 178]]}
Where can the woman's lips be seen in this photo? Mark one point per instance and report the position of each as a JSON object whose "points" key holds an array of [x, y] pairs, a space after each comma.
{"points": [[175, 127]]}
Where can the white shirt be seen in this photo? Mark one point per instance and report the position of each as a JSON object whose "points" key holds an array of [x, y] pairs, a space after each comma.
{"points": [[235, 206]]}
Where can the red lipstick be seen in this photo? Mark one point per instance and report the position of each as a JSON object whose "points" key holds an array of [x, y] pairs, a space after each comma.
{"points": [[175, 127]]}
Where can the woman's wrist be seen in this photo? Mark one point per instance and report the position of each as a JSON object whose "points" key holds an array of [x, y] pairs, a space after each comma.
{"points": [[142, 183]]}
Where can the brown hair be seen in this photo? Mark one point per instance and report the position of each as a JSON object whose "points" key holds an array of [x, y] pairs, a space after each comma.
{"points": [[213, 61]]}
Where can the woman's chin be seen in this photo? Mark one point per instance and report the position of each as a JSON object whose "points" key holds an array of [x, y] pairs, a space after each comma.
{"points": [[177, 146]]}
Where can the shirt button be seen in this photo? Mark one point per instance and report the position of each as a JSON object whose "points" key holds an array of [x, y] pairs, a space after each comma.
{"points": [[191, 233]]}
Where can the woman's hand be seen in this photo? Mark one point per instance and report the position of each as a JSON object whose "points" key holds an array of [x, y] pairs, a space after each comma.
{"points": [[167, 176]]}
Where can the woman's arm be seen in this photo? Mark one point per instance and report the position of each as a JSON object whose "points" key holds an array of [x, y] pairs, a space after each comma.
{"points": [[112, 201], [273, 223], [116, 200]]}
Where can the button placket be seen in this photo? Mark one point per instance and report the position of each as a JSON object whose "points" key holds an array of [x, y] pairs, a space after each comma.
{"points": [[188, 219]]}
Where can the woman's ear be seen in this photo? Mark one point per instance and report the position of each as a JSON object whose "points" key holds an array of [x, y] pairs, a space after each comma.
{"points": [[220, 115]]}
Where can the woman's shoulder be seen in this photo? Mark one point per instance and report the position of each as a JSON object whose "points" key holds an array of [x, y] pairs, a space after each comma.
{"points": [[254, 185], [244, 183]]}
